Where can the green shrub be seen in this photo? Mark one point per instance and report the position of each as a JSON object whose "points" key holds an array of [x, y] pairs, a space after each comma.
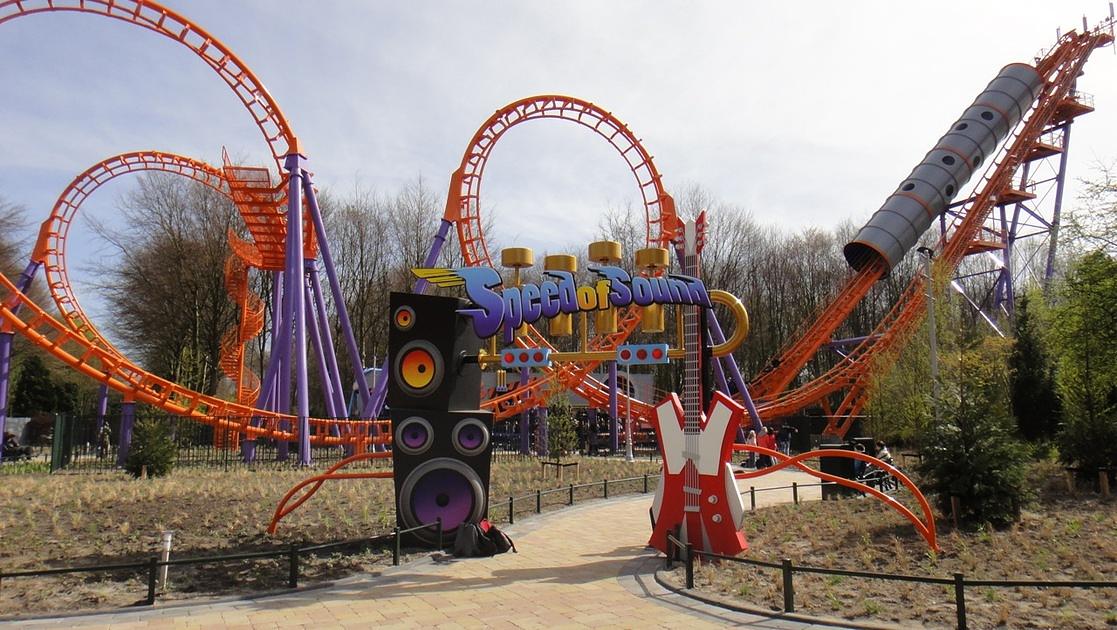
{"points": [[562, 434], [152, 447], [971, 453]]}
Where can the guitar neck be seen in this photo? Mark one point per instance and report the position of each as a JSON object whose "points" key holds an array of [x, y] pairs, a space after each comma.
{"points": [[692, 382]]}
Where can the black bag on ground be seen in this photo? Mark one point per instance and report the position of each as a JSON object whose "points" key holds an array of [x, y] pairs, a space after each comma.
{"points": [[501, 540], [471, 542]]}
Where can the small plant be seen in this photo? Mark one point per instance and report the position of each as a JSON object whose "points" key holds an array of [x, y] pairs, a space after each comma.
{"points": [[152, 450], [562, 437], [871, 607]]}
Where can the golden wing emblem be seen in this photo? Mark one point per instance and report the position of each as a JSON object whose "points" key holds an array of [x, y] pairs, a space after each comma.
{"points": [[440, 276]]}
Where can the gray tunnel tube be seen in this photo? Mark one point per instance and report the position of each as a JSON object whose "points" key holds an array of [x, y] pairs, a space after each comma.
{"points": [[934, 182]]}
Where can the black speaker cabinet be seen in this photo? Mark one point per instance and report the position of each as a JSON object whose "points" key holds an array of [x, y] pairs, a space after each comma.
{"points": [[428, 342], [440, 461]]}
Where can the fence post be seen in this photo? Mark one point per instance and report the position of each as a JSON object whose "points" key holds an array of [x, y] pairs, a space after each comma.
{"points": [[960, 600], [1103, 482], [439, 521], [645, 483], [571, 501], [795, 492], [293, 567], [788, 586], [538, 501], [152, 576], [752, 497], [689, 565], [955, 509], [605, 487], [395, 547], [511, 510]]}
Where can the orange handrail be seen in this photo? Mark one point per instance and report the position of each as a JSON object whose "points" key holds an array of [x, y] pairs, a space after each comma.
{"points": [[926, 527], [282, 510]]}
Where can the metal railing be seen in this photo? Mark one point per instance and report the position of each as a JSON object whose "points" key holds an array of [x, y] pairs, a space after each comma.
{"points": [[788, 570], [293, 553]]}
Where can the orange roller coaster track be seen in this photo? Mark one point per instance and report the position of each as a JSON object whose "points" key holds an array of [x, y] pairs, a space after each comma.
{"points": [[79, 343], [1059, 68], [155, 17], [463, 208], [50, 251], [83, 355]]}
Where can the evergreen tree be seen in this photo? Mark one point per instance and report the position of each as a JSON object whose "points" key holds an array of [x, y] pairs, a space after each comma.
{"points": [[562, 436], [1084, 332], [152, 449], [34, 391], [971, 453], [1035, 402]]}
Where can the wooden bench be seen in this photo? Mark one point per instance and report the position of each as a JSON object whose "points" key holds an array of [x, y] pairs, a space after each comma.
{"points": [[560, 467]]}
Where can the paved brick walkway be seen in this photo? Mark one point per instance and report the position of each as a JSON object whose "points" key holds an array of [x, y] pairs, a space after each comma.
{"points": [[584, 567]]}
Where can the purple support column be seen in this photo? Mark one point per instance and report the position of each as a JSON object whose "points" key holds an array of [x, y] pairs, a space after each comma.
{"points": [[335, 288], [6, 338], [127, 420], [5, 371], [372, 407], [102, 405], [316, 341], [718, 336], [541, 425], [294, 164], [525, 417], [614, 430], [1057, 212], [327, 342]]}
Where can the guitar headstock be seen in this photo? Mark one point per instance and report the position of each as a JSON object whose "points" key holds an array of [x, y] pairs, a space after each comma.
{"points": [[692, 238]]}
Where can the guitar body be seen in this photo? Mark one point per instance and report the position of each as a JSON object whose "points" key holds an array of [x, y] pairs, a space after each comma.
{"points": [[708, 515], [697, 494]]}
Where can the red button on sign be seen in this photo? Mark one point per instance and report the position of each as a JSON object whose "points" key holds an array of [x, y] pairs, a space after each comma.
{"points": [[657, 353], [538, 357], [625, 355], [641, 354]]}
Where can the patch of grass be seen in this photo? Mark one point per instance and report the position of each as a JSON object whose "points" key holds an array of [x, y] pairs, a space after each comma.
{"points": [[1048, 543], [93, 519]]}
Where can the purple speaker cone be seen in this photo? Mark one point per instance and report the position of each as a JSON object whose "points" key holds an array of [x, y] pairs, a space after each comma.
{"points": [[443, 493], [471, 437], [415, 436]]}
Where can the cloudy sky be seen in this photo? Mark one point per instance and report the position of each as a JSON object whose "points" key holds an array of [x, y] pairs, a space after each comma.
{"points": [[806, 113]]}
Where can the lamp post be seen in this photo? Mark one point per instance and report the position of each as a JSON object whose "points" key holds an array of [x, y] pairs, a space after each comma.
{"points": [[628, 457], [928, 258]]}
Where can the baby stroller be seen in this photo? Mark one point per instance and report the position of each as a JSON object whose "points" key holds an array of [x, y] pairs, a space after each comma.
{"points": [[876, 477]]}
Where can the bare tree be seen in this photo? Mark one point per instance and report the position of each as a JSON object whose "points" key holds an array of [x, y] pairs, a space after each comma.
{"points": [[167, 283]]}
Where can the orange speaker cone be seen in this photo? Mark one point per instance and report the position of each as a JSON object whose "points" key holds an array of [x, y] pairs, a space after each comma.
{"points": [[417, 368], [404, 318]]}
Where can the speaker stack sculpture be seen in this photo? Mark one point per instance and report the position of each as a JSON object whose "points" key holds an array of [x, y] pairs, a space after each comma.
{"points": [[442, 439]]}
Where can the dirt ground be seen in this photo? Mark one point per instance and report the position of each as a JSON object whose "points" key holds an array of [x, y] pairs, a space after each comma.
{"points": [[1060, 537], [70, 520]]}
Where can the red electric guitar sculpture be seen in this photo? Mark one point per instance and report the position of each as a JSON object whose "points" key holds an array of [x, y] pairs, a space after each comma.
{"points": [[697, 493]]}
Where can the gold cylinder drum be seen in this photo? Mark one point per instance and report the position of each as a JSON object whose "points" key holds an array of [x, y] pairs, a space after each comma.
{"points": [[652, 260], [605, 253], [561, 325], [517, 257], [605, 321], [652, 319]]}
